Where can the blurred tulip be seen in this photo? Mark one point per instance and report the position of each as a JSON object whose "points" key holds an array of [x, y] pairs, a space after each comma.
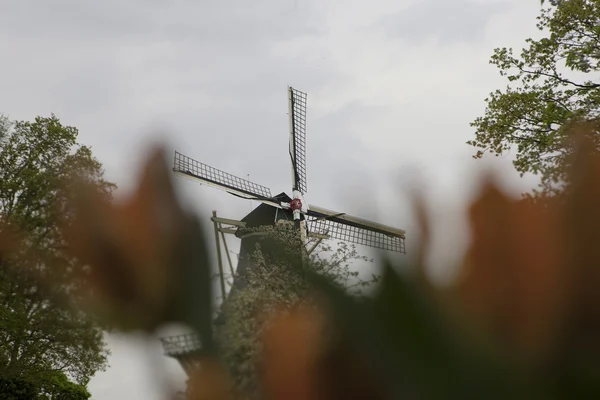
{"points": [[134, 250], [209, 382]]}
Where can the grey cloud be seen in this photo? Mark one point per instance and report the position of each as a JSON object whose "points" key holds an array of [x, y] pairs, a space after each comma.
{"points": [[445, 20], [338, 161], [217, 21], [103, 82], [213, 74]]}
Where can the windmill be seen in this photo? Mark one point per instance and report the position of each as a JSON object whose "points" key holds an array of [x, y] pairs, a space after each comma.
{"points": [[312, 221]]}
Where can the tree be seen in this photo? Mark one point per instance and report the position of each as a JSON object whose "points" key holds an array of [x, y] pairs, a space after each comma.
{"points": [[17, 389], [58, 387], [271, 285], [53, 386], [4, 126], [553, 82], [43, 339]]}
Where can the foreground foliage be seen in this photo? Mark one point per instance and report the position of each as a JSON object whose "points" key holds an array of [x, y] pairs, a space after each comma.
{"points": [[521, 321]]}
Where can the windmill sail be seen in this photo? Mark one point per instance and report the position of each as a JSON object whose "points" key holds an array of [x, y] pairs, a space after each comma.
{"points": [[297, 111], [318, 222], [357, 235], [356, 230], [185, 349], [232, 184]]}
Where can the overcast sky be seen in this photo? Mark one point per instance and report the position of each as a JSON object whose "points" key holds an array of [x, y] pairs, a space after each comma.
{"points": [[392, 87]]}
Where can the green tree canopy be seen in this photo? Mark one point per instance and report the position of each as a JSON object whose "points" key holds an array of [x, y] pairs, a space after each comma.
{"points": [[43, 340], [53, 386], [554, 80]]}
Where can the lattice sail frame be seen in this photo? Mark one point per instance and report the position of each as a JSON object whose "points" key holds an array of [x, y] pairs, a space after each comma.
{"points": [[212, 176], [175, 346], [184, 348], [356, 235], [297, 104]]}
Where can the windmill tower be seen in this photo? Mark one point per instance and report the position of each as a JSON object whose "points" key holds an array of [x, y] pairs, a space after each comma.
{"points": [[313, 222]]}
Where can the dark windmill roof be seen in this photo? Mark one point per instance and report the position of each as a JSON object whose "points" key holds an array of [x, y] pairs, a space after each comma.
{"points": [[265, 214]]}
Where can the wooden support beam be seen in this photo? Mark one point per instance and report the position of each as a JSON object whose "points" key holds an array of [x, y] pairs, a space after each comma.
{"points": [[227, 252], [231, 231], [227, 221], [219, 258]]}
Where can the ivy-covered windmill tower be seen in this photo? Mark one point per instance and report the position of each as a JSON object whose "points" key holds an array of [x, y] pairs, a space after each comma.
{"points": [[313, 222]]}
